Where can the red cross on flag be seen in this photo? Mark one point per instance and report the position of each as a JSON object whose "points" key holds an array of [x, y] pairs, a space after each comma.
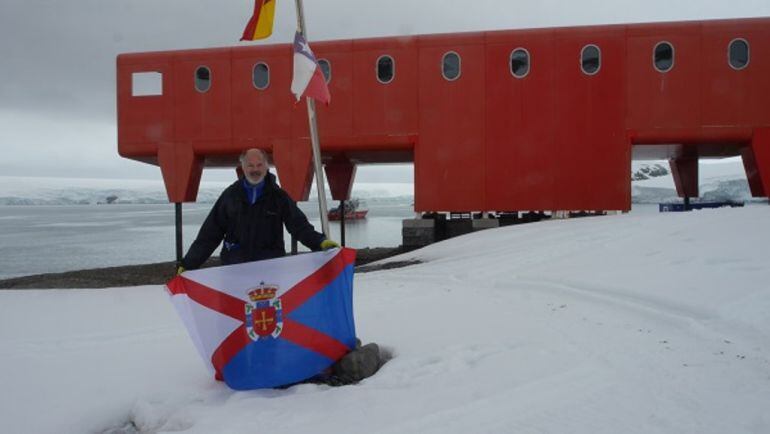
{"points": [[270, 323]]}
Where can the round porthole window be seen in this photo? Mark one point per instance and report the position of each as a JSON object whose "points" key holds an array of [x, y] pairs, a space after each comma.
{"points": [[738, 53], [519, 63], [663, 56], [450, 66], [326, 68], [260, 76], [202, 79], [590, 59], [386, 69]]}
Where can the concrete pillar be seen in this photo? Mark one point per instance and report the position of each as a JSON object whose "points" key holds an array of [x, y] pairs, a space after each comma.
{"points": [[418, 232], [559, 215], [485, 223], [457, 227]]}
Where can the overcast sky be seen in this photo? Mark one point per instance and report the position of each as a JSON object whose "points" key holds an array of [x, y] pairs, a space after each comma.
{"points": [[57, 94]]}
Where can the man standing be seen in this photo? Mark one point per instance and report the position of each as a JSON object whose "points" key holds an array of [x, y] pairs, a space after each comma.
{"points": [[248, 218]]}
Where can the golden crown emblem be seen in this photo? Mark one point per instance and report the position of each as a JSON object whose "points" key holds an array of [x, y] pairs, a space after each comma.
{"points": [[263, 292]]}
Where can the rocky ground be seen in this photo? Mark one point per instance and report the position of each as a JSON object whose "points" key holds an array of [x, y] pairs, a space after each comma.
{"points": [[160, 273]]}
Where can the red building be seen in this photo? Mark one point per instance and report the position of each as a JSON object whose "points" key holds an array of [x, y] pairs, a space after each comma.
{"points": [[542, 119]]}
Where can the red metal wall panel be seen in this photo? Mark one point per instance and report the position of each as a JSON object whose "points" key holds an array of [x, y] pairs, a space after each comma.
{"points": [[450, 152], [519, 123], [736, 97], [385, 108], [259, 116], [589, 133], [664, 99], [144, 121], [202, 116]]}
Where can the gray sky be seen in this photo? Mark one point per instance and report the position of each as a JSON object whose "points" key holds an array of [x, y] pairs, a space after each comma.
{"points": [[57, 96]]}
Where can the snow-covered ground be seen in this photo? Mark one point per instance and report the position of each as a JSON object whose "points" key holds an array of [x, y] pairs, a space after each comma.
{"points": [[641, 323]]}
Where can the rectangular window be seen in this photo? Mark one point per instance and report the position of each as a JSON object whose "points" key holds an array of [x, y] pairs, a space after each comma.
{"points": [[146, 83]]}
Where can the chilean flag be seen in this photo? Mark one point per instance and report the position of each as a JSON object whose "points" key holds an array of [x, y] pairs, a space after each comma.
{"points": [[308, 80], [270, 323]]}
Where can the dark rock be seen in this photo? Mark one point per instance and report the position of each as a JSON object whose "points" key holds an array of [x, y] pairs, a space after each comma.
{"points": [[149, 274]]}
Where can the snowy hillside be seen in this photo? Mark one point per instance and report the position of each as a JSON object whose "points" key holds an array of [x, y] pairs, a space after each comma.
{"points": [[647, 323], [719, 181], [641, 171]]}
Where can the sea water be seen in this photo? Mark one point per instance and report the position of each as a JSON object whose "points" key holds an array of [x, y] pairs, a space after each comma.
{"points": [[49, 239], [36, 239]]}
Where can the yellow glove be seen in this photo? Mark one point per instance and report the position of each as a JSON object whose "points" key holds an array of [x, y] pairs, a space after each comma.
{"points": [[328, 244], [180, 270]]}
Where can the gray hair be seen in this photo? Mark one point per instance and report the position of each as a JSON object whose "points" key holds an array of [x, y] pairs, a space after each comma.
{"points": [[265, 157]]}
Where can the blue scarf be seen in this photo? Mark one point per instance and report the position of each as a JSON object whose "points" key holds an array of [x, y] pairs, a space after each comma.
{"points": [[253, 191]]}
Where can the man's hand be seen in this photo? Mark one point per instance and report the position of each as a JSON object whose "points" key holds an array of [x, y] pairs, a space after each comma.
{"points": [[180, 270], [328, 244]]}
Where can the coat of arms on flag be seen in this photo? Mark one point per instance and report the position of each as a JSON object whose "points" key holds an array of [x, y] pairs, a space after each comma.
{"points": [[270, 323], [264, 314]]}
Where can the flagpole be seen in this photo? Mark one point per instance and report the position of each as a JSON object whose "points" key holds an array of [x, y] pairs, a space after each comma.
{"points": [[319, 176]]}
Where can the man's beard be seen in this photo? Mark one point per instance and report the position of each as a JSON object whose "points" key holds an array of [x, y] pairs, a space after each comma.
{"points": [[255, 177]]}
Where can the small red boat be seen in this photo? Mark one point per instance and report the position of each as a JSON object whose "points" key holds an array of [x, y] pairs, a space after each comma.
{"points": [[335, 215], [351, 211]]}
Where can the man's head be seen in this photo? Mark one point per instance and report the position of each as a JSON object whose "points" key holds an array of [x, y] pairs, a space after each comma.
{"points": [[254, 165]]}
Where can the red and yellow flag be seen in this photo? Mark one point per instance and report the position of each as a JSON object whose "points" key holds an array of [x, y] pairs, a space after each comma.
{"points": [[260, 26]]}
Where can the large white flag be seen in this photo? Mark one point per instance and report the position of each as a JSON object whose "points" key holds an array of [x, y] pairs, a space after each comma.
{"points": [[270, 323]]}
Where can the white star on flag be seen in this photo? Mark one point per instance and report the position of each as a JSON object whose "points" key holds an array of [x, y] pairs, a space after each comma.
{"points": [[308, 79]]}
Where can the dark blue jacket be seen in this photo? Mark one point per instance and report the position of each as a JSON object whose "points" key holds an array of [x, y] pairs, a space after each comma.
{"points": [[251, 232]]}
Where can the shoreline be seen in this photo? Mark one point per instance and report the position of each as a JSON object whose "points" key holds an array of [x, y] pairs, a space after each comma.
{"points": [[161, 272]]}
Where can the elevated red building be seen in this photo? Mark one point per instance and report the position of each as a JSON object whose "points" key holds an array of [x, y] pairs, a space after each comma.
{"points": [[542, 119]]}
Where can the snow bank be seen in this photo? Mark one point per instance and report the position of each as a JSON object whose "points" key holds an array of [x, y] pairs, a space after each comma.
{"points": [[649, 323]]}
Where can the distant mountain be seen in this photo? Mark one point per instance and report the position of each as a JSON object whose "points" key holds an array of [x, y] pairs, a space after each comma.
{"points": [[652, 183], [646, 171], [75, 191], [719, 181]]}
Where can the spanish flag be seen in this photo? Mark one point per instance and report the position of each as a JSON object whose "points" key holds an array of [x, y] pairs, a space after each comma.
{"points": [[260, 25]]}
